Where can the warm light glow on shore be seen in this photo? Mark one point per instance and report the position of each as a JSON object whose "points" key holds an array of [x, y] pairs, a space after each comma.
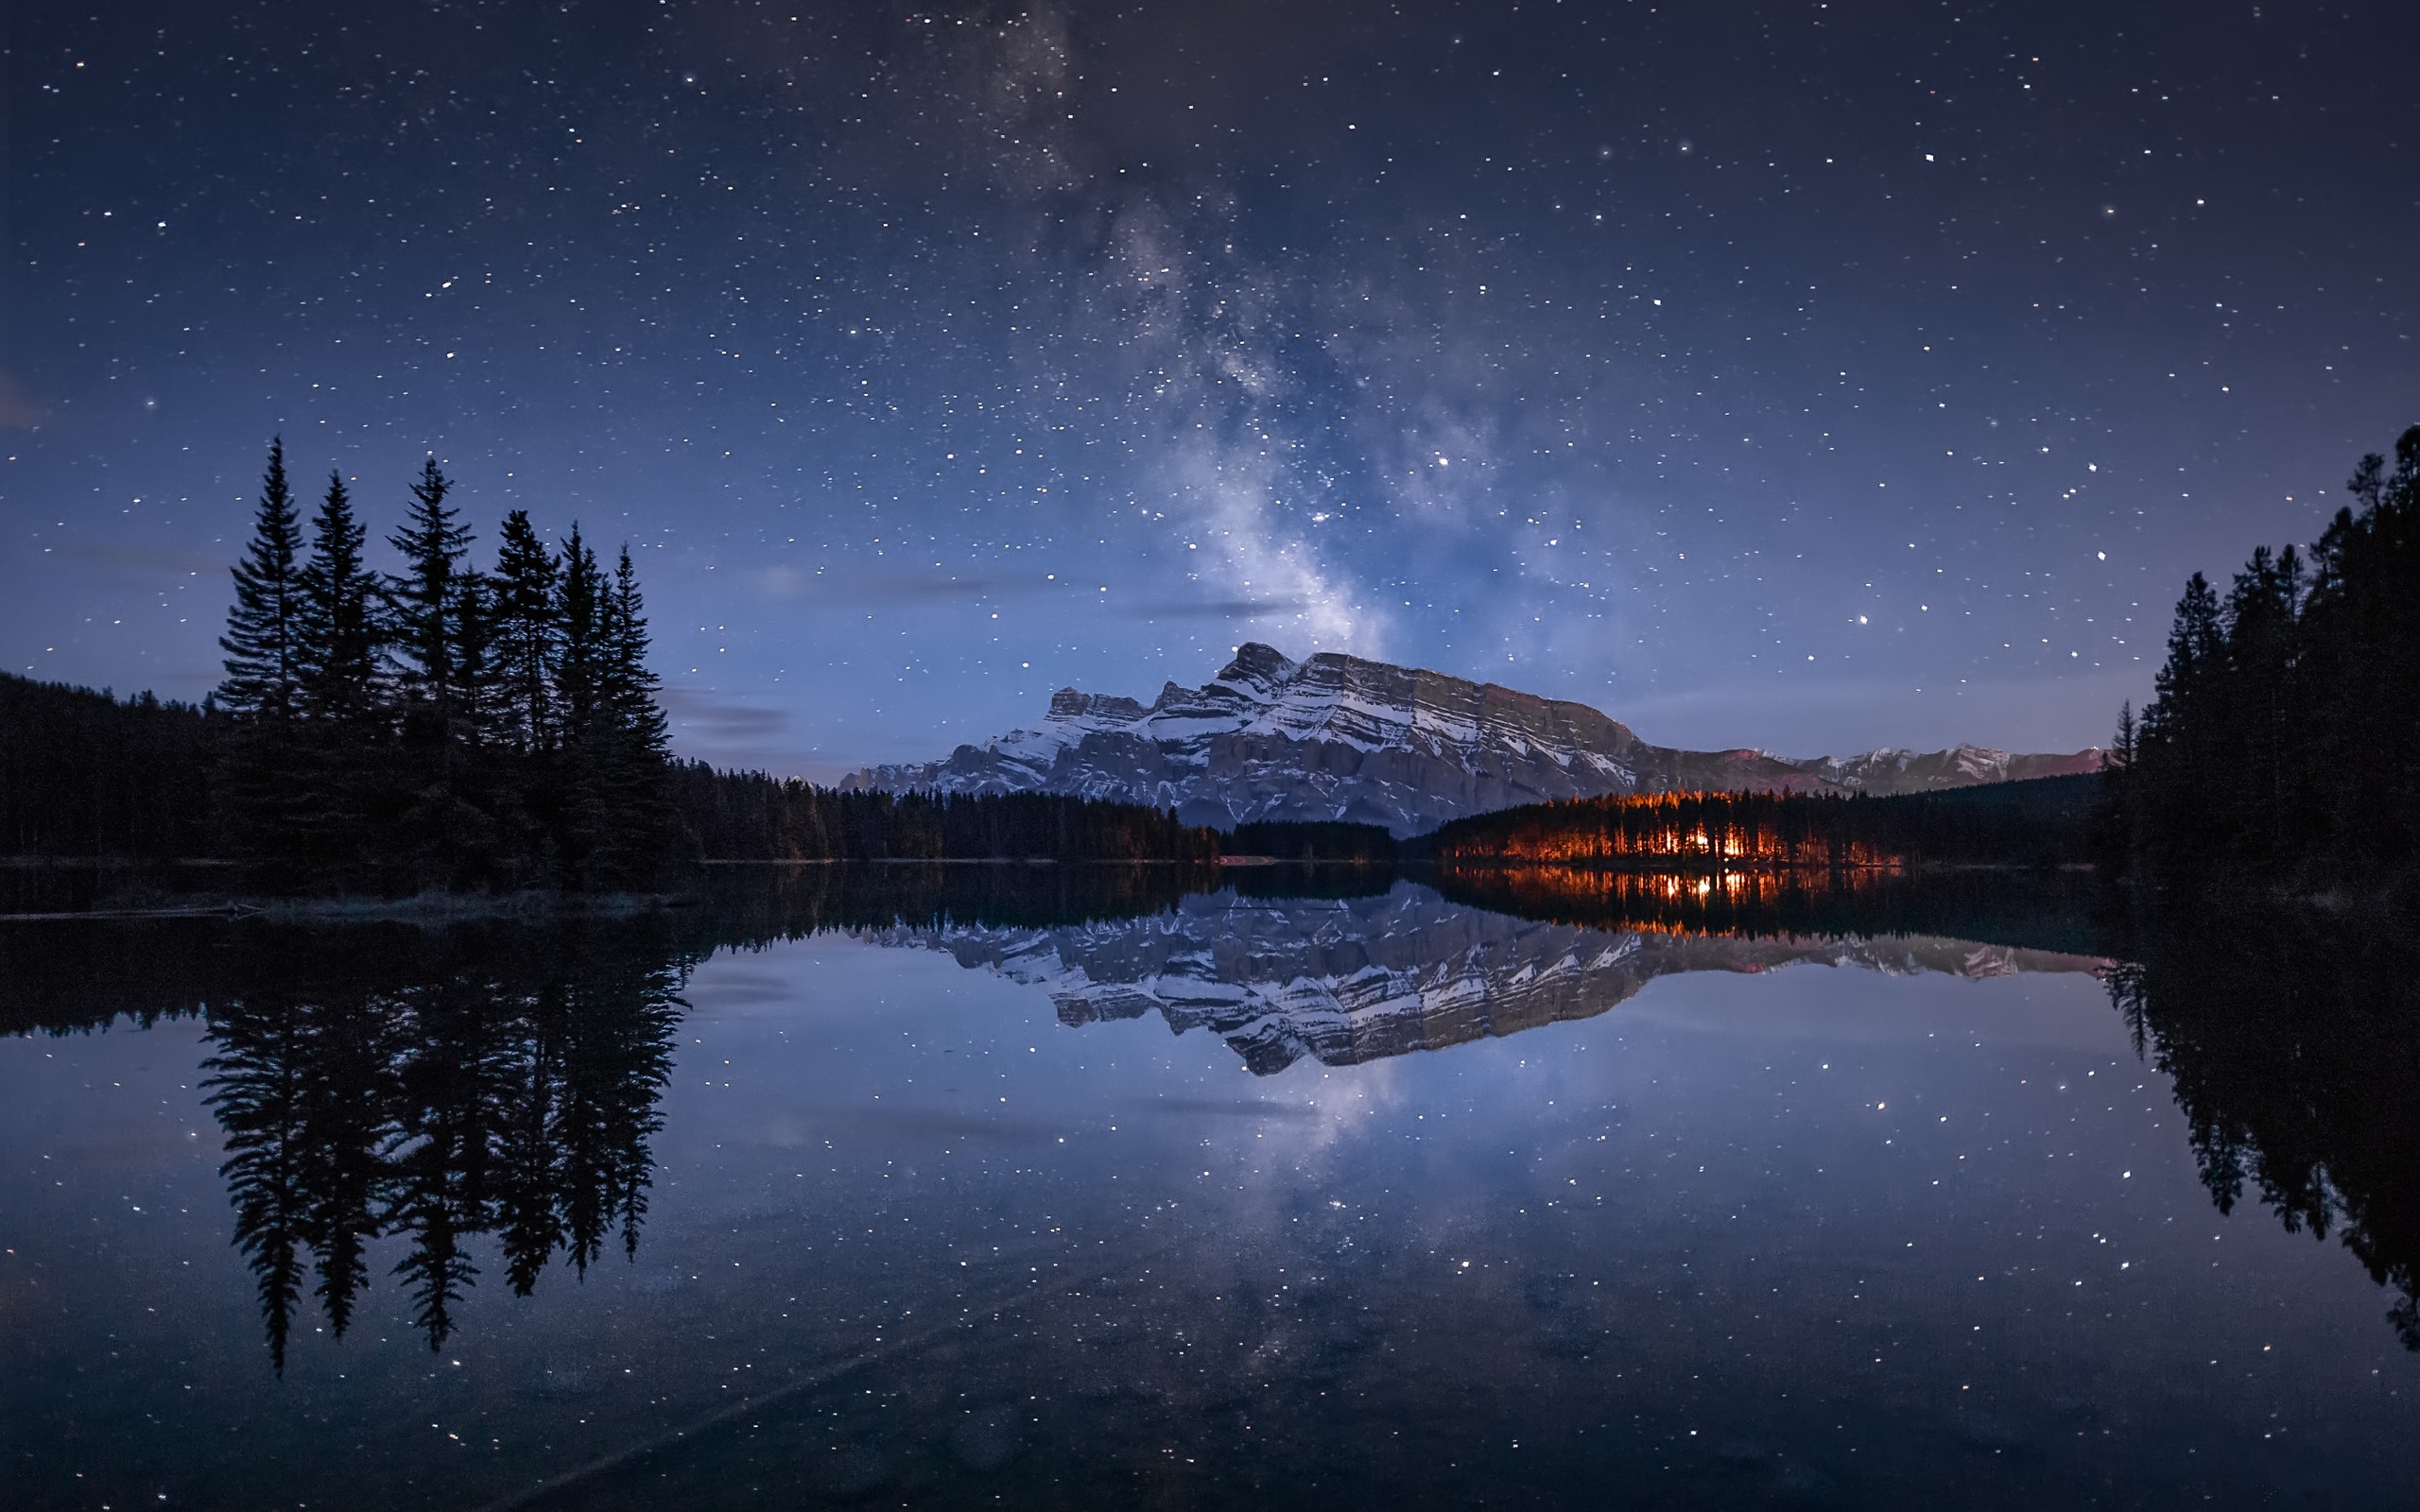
{"points": [[1754, 830]]}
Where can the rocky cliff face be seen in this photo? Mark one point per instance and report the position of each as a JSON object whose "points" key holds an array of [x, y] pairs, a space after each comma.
{"points": [[1363, 978], [1336, 737]]}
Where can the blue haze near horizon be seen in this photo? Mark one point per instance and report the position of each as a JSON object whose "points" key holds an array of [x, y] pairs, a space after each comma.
{"points": [[1801, 376]]}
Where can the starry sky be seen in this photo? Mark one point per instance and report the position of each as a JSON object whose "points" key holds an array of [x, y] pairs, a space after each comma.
{"points": [[1809, 376]]}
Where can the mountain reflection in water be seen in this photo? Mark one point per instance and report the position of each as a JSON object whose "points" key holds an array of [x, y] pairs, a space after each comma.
{"points": [[1351, 979]]}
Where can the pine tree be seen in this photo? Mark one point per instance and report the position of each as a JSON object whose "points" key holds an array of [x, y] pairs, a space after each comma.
{"points": [[630, 683], [339, 636], [440, 644], [2116, 826], [632, 762], [524, 648], [262, 643], [255, 1090], [427, 598], [260, 763], [328, 822], [582, 651], [583, 815]]}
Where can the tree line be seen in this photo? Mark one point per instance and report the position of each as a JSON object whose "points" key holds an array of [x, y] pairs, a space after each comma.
{"points": [[82, 774], [2040, 821], [751, 816], [2283, 744]]}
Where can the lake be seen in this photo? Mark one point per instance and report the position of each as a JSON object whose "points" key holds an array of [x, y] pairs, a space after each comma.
{"points": [[1107, 1187]]}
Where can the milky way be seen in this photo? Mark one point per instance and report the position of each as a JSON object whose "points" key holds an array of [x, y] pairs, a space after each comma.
{"points": [[1811, 377]]}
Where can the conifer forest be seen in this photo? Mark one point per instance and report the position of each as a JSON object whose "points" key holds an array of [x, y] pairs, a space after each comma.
{"points": [[2283, 746], [452, 726]]}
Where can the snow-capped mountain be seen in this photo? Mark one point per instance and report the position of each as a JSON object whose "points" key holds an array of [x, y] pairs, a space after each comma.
{"points": [[1336, 737], [1362, 978]]}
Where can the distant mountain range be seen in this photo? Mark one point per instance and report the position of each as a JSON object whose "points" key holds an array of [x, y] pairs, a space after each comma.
{"points": [[1364, 978], [1336, 737]]}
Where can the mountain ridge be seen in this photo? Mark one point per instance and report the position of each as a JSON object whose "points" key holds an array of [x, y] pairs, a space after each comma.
{"points": [[1338, 737]]}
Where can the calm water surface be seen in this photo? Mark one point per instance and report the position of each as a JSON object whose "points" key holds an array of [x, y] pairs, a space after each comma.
{"points": [[997, 1187]]}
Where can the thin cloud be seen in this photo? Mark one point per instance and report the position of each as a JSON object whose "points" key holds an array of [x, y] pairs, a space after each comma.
{"points": [[1225, 608], [18, 412], [149, 560], [719, 718]]}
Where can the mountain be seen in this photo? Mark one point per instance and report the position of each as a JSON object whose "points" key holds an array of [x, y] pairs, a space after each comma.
{"points": [[1336, 737], [1358, 979]]}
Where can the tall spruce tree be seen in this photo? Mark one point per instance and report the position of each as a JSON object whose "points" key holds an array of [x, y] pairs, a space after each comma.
{"points": [[332, 808], [633, 759], [338, 671], [263, 642], [581, 646], [437, 639], [259, 763], [584, 816], [630, 683], [428, 602], [523, 649]]}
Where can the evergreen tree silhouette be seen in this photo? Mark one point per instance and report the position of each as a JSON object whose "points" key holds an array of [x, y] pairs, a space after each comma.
{"points": [[265, 654], [427, 598], [585, 661], [2284, 744], [262, 643], [436, 1090], [529, 1160], [254, 1087], [339, 632], [439, 642], [631, 760], [525, 639], [441, 1176], [331, 813], [2293, 1043], [349, 1095]]}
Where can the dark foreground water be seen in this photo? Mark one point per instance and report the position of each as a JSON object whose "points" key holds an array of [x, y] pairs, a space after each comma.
{"points": [[1047, 1188]]}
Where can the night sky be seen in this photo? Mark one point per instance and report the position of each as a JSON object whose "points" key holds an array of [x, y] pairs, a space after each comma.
{"points": [[1807, 376]]}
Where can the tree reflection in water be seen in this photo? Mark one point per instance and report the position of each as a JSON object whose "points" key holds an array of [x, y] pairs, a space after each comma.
{"points": [[434, 1086], [2294, 1041], [437, 1084]]}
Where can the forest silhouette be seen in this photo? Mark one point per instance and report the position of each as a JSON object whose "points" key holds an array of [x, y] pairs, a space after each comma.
{"points": [[449, 728], [2283, 748]]}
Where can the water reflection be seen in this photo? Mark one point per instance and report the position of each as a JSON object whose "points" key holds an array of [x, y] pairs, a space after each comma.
{"points": [[2045, 910], [418, 1099], [2294, 1043], [432, 1089], [1346, 979]]}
